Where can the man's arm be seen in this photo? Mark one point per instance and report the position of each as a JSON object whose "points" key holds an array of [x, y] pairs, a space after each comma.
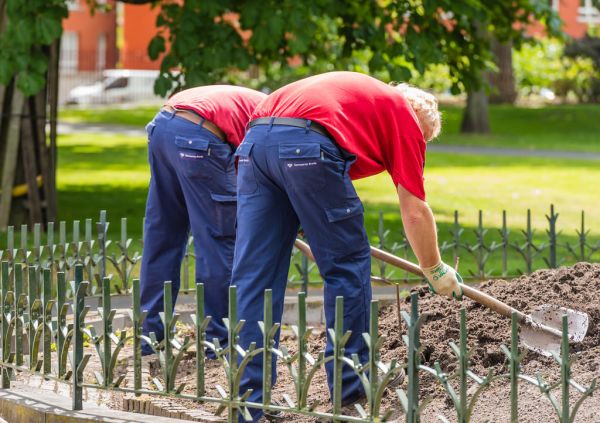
{"points": [[419, 225], [420, 229]]}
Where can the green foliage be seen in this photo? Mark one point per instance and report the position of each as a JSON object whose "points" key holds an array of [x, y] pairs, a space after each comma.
{"points": [[209, 38], [544, 65], [31, 26], [588, 48]]}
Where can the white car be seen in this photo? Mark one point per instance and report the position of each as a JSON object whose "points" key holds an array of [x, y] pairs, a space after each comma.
{"points": [[117, 86]]}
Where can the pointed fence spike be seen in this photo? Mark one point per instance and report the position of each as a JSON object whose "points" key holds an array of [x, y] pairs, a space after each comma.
{"points": [[413, 348], [267, 344], [200, 339], [232, 354], [79, 359], [338, 354]]}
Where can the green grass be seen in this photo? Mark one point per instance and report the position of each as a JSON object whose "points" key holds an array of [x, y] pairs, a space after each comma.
{"points": [[100, 171], [562, 127], [138, 116], [111, 172]]}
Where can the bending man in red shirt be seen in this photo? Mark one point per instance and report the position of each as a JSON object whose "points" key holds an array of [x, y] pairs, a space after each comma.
{"points": [[306, 142], [191, 144]]}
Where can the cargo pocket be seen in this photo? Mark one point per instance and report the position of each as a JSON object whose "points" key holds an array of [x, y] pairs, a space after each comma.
{"points": [[351, 209], [193, 155], [346, 230], [302, 166], [246, 179], [225, 207]]}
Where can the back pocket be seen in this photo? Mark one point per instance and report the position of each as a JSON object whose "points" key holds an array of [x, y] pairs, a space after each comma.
{"points": [[302, 166], [193, 153]]}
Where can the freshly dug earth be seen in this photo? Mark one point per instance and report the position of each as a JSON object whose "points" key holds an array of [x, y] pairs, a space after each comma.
{"points": [[576, 287]]}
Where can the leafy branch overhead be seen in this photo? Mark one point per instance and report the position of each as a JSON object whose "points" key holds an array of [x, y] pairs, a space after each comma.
{"points": [[27, 29], [203, 40]]}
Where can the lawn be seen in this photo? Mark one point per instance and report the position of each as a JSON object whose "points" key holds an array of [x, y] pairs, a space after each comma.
{"points": [[98, 171], [562, 127]]}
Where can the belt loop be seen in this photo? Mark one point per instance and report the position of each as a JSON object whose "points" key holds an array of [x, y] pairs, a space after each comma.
{"points": [[201, 123], [173, 112], [271, 121], [307, 127]]}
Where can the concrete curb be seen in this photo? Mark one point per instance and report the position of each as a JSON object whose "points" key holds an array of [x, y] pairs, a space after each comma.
{"points": [[315, 314], [28, 405]]}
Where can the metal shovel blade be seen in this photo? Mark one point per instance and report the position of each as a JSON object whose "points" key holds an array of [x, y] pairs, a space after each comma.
{"points": [[550, 315]]}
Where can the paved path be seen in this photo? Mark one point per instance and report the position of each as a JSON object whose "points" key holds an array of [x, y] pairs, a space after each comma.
{"points": [[71, 128], [494, 151], [102, 128]]}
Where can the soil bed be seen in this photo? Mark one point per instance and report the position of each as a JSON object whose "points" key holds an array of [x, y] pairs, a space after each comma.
{"points": [[576, 287]]}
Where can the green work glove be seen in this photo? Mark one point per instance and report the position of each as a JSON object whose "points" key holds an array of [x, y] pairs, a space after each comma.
{"points": [[443, 279]]}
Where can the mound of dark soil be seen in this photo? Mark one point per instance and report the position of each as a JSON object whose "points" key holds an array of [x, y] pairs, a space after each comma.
{"points": [[576, 287]]}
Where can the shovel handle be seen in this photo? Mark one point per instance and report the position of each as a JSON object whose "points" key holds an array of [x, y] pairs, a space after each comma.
{"points": [[492, 303], [304, 248], [474, 294]]}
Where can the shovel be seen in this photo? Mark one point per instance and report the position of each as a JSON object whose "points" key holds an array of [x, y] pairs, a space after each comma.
{"points": [[541, 331]]}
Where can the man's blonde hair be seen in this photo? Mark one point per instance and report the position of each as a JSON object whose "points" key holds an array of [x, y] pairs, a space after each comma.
{"points": [[425, 106]]}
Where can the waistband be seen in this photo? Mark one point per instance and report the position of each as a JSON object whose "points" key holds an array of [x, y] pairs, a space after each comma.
{"points": [[297, 122], [197, 119]]}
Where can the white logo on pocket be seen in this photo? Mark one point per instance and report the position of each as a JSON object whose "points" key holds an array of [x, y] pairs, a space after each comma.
{"points": [[194, 156], [290, 165]]}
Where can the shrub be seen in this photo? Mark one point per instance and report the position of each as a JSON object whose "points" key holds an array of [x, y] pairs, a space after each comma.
{"points": [[544, 66]]}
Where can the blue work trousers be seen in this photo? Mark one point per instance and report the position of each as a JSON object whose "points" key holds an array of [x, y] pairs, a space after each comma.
{"points": [[287, 177], [192, 186]]}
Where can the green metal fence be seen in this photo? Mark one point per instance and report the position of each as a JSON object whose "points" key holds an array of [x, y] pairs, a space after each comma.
{"points": [[484, 252], [41, 311]]}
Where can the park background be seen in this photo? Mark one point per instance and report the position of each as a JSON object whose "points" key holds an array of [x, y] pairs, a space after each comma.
{"points": [[512, 180], [520, 109]]}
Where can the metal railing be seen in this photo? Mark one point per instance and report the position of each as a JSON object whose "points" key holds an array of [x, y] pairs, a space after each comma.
{"points": [[31, 312], [484, 252]]}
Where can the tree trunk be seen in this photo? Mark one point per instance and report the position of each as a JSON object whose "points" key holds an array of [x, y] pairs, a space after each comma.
{"points": [[27, 159], [503, 81], [476, 114]]}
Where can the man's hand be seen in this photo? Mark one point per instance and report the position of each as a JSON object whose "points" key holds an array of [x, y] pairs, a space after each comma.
{"points": [[443, 279]]}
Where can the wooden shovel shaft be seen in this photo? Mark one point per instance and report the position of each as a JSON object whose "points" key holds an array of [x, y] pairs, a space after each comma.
{"points": [[474, 294]]}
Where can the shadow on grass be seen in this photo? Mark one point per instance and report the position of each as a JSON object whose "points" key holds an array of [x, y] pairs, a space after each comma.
{"points": [[77, 203], [95, 156]]}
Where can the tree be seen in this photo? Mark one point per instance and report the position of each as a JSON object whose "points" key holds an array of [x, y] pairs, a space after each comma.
{"points": [[29, 33], [29, 54], [503, 81], [208, 38]]}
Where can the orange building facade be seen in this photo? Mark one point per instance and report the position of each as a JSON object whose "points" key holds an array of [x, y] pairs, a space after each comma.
{"points": [[577, 16], [89, 41], [139, 26]]}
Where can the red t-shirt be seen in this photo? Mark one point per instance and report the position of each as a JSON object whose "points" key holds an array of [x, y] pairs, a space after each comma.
{"points": [[365, 117], [226, 106]]}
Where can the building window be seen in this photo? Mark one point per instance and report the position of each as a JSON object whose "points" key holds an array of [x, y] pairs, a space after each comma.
{"points": [[69, 52], [101, 51], [73, 4], [587, 13]]}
